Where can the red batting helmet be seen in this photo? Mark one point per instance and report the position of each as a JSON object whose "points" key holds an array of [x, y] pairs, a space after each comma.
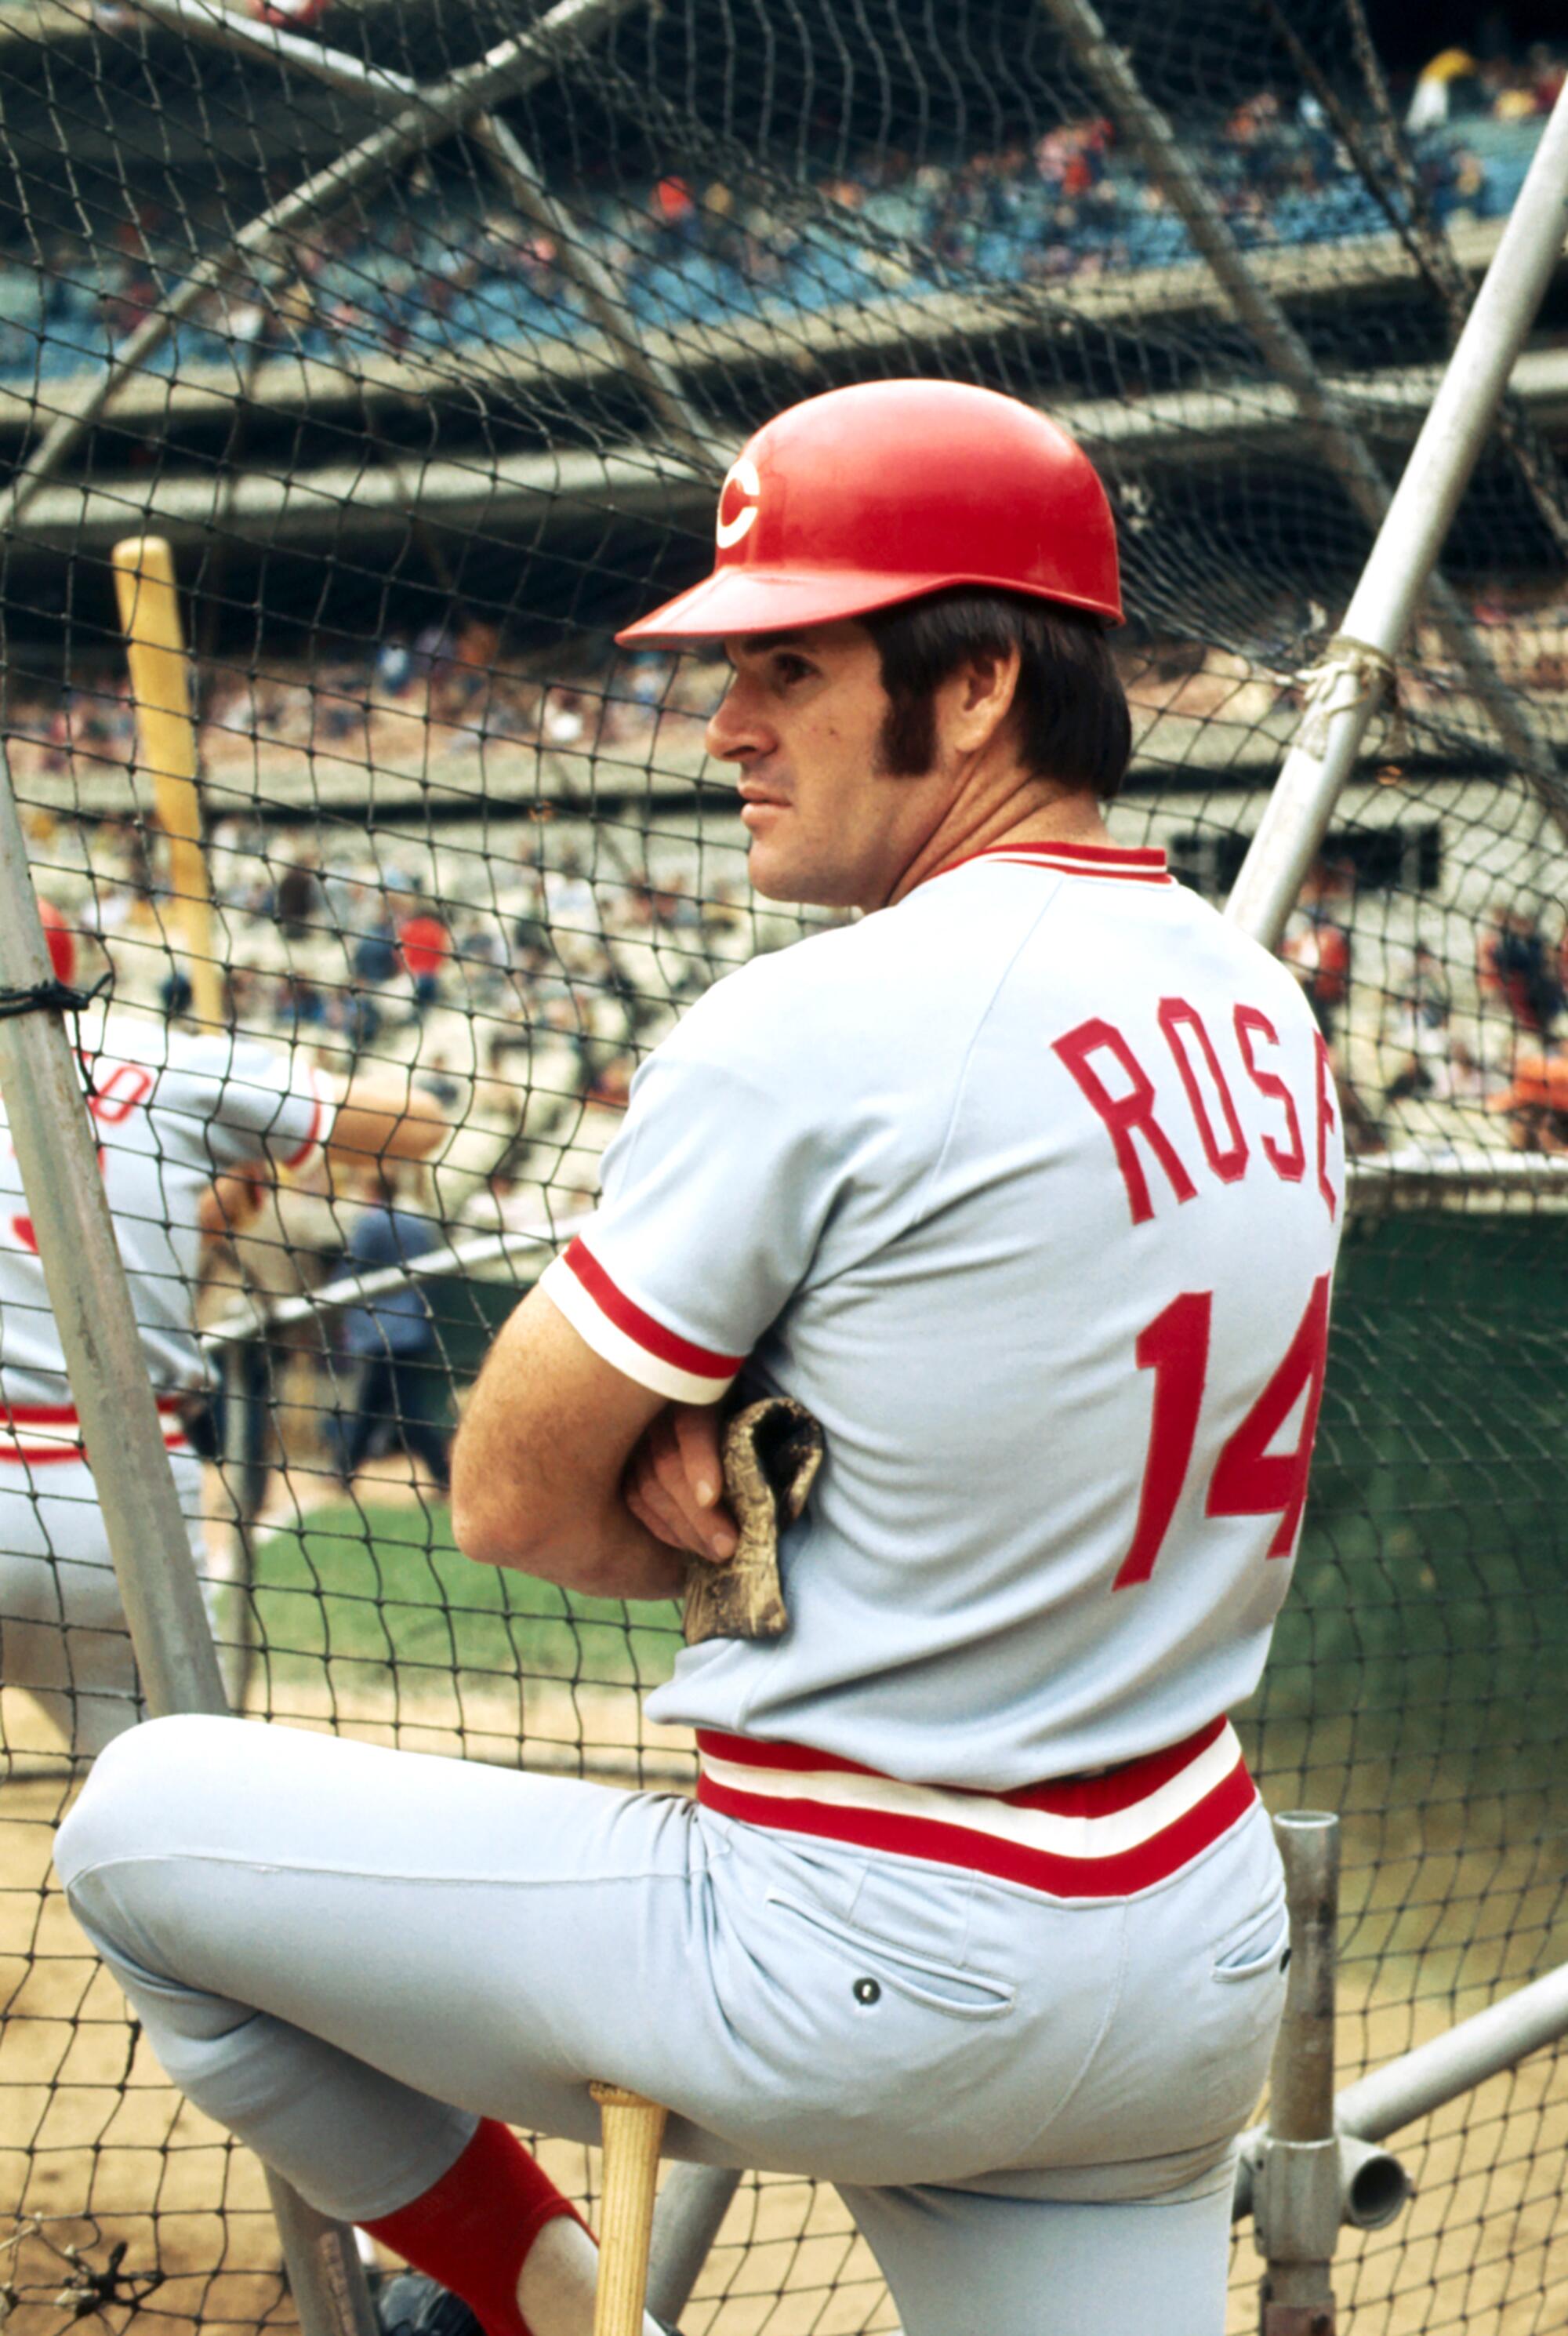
{"points": [[876, 494], [62, 941]]}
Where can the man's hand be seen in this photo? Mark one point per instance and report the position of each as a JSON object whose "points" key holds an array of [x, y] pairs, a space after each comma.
{"points": [[674, 1482]]}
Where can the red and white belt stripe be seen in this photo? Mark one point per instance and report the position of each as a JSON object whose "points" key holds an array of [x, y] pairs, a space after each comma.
{"points": [[39, 1433], [1097, 1836]]}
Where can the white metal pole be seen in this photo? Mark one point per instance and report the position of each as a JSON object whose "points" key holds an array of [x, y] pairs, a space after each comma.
{"points": [[1351, 681], [1297, 2178], [92, 1307], [123, 1437], [1459, 2060]]}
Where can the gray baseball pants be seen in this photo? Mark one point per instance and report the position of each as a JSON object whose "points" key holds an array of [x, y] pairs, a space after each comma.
{"points": [[62, 1630], [347, 1955]]}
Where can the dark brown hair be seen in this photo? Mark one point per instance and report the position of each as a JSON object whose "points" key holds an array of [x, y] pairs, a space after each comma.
{"points": [[1070, 712]]}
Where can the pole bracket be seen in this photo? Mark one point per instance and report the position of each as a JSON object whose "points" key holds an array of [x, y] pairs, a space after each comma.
{"points": [[1296, 2200]]}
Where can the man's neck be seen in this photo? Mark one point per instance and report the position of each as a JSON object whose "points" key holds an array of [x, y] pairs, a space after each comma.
{"points": [[1012, 808]]}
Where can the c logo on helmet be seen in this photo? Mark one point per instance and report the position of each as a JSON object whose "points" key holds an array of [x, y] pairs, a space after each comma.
{"points": [[738, 498]]}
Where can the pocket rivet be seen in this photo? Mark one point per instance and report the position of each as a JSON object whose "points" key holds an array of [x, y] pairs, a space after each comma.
{"points": [[1285, 1959], [866, 1991]]}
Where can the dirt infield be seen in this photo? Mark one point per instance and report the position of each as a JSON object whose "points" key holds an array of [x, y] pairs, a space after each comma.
{"points": [[97, 2148]]}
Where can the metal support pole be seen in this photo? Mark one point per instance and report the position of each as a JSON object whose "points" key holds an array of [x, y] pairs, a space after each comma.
{"points": [[1296, 2178], [1459, 2060], [1350, 682], [238, 1475], [1110, 69], [692, 2205], [1435, 2073], [134, 1485]]}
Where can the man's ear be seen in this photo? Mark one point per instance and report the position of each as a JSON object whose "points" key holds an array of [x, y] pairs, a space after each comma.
{"points": [[975, 701]]}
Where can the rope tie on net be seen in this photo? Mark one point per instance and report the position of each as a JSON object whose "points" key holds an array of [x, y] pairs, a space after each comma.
{"points": [[1348, 671], [49, 998]]}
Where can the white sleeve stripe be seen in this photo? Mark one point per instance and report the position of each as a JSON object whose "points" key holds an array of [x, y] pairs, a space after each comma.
{"points": [[612, 1345], [321, 1121]]}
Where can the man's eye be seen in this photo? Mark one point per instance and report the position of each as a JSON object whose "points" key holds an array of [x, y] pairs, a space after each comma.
{"points": [[789, 668]]}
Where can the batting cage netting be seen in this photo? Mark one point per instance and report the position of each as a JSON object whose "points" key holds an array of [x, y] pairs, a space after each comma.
{"points": [[423, 332]]}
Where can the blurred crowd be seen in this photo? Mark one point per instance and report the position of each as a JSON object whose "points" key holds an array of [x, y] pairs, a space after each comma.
{"points": [[1488, 1039], [449, 681], [443, 263]]}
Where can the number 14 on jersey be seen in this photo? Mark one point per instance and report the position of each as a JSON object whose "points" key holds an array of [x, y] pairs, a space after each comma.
{"points": [[1248, 1479]]}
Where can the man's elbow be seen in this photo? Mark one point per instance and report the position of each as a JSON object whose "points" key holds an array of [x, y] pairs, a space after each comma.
{"points": [[491, 1521], [501, 1517]]}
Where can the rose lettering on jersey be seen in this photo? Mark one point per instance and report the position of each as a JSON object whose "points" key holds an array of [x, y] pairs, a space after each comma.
{"points": [[1288, 1161], [1130, 1115], [1175, 1016], [1326, 1119], [1126, 1115]]}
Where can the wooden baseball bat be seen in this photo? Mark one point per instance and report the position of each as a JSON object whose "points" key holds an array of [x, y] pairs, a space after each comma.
{"points": [[633, 2128], [166, 748]]}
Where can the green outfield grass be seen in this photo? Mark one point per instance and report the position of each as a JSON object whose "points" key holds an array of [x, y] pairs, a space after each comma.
{"points": [[367, 1583]]}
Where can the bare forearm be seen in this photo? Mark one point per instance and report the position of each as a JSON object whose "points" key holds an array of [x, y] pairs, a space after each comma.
{"points": [[610, 1555], [538, 1466]]}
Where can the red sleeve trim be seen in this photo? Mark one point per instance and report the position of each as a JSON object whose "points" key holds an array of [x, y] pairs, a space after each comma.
{"points": [[640, 1328], [295, 1159]]}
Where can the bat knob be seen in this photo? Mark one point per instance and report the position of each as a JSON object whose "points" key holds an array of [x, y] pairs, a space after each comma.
{"points": [[633, 2128]]}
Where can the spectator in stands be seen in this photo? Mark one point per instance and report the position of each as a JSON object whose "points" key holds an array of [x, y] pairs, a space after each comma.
{"points": [[374, 958], [1535, 1103], [394, 665], [425, 946], [1419, 1029], [358, 1017], [1448, 85], [438, 1080], [1524, 973], [299, 898], [175, 994], [394, 1337], [299, 1005], [1316, 947]]}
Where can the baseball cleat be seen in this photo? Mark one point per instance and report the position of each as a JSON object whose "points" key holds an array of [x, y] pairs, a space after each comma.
{"points": [[410, 2304]]}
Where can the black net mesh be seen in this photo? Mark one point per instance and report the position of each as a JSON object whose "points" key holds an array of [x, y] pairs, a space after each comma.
{"points": [[428, 392]]}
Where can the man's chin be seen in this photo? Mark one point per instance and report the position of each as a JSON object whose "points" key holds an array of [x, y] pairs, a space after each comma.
{"points": [[770, 871], [775, 879]]}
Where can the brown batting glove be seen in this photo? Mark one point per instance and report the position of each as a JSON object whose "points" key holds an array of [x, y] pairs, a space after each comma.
{"points": [[772, 1451]]}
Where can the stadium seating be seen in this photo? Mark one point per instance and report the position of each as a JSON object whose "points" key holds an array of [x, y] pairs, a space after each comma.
{"points": [[997, 220]]}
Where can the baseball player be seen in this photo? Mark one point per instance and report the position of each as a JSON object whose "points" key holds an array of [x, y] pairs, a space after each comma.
{"points": [[170, 1115], [1028, 1185]]}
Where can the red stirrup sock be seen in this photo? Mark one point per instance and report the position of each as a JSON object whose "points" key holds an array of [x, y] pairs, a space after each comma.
{"points": [[473, 2228]]}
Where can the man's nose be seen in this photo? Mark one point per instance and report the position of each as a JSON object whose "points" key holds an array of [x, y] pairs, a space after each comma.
{"points": [[737, 730]]}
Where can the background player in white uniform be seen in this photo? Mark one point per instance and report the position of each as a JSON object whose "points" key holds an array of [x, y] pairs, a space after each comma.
{"points": [[169, 1113], [1028, 1186]]}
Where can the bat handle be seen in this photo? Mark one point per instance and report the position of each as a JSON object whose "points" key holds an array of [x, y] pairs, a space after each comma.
{"points": [[633, 2128]]}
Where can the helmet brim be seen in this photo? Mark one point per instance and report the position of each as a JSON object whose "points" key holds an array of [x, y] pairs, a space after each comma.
{"points": [[736, 600]]}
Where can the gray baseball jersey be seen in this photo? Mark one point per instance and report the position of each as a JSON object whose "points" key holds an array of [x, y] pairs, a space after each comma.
{"points": [[1029, 1188], [169, 1113]]}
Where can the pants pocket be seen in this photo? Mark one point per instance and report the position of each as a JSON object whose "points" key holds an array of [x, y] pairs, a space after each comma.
{"points": [[1259, 1945], [870, 1964]]}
